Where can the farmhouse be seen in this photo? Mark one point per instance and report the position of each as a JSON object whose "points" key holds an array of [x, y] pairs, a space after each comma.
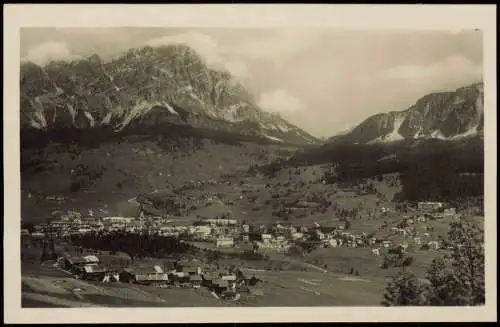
{"points": [[208, 279], [220, 285], [195, 280], [73, 264], [202, 231], [144, 275], [190, 271], [93, 272]]}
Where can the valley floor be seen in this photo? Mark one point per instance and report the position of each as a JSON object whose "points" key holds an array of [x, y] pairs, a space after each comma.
{"points": [[320, 278]]}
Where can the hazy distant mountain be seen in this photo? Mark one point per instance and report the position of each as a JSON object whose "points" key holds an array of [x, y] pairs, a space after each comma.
{"points": [[145, 87], [444, 115]]}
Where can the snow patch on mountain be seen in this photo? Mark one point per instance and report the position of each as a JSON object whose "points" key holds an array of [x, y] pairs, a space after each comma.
{"points": [[262, 125], [282, 127], [231, 114], [273, 138], [107, 119], [471, 132], [90, 118], [172, 110], [139, 109], [39, 114], [438, 135], [71, 111], [394, 135]]}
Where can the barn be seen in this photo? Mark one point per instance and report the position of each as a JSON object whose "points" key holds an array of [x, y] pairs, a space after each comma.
{"points": [[144, 275], [75, 264], [94, 272]]}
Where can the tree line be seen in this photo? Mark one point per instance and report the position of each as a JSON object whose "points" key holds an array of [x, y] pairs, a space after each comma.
{"points": [[133, 244], [457, 279]]}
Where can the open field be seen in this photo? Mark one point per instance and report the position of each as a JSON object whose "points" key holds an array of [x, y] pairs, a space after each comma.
{"points": [[284, 288], [297, 196]]}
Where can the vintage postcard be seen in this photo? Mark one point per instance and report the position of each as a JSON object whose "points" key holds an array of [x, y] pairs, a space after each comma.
{"points": [[280, 162]]}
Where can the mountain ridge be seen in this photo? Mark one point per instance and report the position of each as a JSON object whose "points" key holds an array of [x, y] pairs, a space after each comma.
{"points": [[442, 115], [142, 87]]}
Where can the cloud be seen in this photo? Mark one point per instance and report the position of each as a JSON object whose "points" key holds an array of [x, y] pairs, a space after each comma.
{"points": [[233, 55], [280, 101], [45, 52], [209, 49], [277, 46], [453, 69], [237, 68]]}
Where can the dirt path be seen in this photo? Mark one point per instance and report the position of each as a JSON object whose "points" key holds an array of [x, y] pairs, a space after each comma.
{"points": [[305, 264]]}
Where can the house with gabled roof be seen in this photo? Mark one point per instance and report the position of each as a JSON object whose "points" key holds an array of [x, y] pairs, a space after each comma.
{"points": [[144, 275]]}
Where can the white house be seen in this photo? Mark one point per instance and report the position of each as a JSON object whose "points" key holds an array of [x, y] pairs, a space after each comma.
{"points": [[376, 252], [320, 235], [203, 231], [224, 242], [119, 220], [266, 237], [333, 243]]}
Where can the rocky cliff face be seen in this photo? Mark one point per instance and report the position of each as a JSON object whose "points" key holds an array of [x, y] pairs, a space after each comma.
{"points": [[445, 115], [144, 87]]}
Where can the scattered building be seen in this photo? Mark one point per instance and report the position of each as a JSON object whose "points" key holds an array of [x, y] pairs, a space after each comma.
{"points": [[450, 212], [144, 275], [433, 245], [224, 242], [429, 206], [266, 238]]}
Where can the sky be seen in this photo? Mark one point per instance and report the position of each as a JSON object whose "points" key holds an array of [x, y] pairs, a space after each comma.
{"points": [[322, 80]]}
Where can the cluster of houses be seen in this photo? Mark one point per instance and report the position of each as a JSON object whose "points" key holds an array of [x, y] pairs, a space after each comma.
{"points": [[223, 284], [224, 231]]}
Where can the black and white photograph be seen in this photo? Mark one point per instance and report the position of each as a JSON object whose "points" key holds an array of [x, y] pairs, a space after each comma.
{"points": [[251, 167]]}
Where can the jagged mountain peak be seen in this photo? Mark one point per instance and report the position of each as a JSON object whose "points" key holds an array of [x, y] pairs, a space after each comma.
{"points": [[441, 115], [89, 92]]}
